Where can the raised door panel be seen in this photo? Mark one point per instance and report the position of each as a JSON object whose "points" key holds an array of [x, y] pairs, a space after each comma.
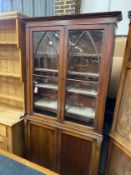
{"points": [[43, 145], [75, 155]]}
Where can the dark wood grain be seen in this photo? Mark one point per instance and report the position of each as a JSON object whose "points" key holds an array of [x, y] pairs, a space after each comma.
{"points": [[88, 141], [77, 146], [63, 57], [75, 155], [116, 14], [42, 141]]}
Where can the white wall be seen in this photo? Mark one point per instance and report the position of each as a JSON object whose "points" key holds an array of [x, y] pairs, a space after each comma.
{"points": [[124, 6], [89, 6]]}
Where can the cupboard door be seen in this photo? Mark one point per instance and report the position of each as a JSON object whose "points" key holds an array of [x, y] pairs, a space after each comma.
{"points": [[47, 51], [43, 145], [75, 155], [83, 68]]}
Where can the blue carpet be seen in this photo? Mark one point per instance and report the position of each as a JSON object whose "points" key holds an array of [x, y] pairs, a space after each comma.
{"points": [[11, 167]]}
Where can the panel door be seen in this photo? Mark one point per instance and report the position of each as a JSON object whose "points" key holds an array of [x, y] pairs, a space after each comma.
{"points": [[77, 155], [45, 71], [42, 145], [85, 64]]}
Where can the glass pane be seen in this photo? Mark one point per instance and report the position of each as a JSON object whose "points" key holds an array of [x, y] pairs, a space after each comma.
{"points": [[124, 121], [85, 47], [45, 72]]}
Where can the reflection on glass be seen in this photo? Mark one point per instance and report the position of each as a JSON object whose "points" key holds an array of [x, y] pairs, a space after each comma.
{"points": [[85, 47], [45, 73]]}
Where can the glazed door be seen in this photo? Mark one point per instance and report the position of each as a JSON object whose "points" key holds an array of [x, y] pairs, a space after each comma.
{"points": [[83, 64], [46, 70]]}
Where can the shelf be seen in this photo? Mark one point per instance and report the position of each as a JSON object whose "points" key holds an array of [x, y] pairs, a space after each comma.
{"points": [[82, 91], [8, 43], [43, 76], [11, 97], [84, 112], [47, 86], [83, 74], [46, 70], [9, 58], [83, 81], [40, 54], [9, 75], [5, 30], [69, 72], [13, 117], [80, 111], [86, 55], [73, 90], [46, 104], [13, 82]]}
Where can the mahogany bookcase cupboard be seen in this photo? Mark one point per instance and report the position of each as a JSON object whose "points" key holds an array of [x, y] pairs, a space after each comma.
{"points": [[120, 146], [12, 100], [68, 61]]}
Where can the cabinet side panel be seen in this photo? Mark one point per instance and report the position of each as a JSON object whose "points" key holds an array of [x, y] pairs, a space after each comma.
{"points": [[119, 163], [123, 126], [42, 146], [75, 155], [18, 139]]}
